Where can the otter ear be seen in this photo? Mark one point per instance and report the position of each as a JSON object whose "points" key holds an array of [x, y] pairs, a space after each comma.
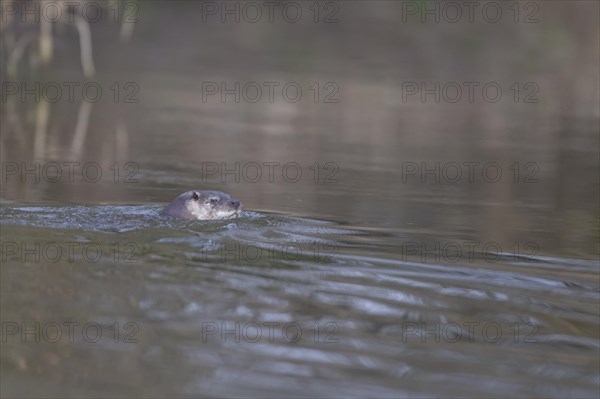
{"points": [[195, 196]]}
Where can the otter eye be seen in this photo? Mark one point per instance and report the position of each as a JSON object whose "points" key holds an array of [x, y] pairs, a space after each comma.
{"points": [[214, 201], [195, 196]]}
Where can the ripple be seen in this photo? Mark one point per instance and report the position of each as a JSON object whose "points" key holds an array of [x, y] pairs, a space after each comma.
{"points": [[363, 294]]}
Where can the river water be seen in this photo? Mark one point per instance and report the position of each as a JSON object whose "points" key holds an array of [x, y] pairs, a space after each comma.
{"points": [[389, 247]]}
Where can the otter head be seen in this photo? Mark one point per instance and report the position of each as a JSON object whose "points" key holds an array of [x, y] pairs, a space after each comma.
{"points": [[204, 205]]}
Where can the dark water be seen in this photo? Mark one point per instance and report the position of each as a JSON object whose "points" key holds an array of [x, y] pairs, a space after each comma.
{"points": [[270, 303], [362, 267]]}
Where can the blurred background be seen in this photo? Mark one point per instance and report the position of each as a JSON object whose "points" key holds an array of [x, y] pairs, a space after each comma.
{"points": [[379, 107], [373, 57], [367, 122]]}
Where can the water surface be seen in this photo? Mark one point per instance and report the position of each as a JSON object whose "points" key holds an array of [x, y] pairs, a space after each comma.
{"points": [[363, 277]]}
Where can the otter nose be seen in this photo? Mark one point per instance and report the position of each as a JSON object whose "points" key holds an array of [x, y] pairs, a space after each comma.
{"points": [[235, 204]]}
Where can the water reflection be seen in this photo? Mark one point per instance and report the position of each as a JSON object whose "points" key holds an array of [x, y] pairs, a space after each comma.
{"points": [[414, 217], [237, 320]]}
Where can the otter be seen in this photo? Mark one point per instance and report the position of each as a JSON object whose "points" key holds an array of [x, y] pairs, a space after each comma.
{"points": [[203, 205]]}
